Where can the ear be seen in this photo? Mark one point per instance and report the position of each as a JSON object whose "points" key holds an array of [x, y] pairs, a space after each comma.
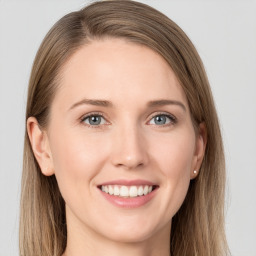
{"points": [[40, 146], [200, 145]]}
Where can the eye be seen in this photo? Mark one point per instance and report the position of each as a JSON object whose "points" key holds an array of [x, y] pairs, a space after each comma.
{"points": [[94, 120], [162, 119]]}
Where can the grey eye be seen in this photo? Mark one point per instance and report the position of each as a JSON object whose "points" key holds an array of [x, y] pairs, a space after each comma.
{"points": [[94, 120], [161, 120]]}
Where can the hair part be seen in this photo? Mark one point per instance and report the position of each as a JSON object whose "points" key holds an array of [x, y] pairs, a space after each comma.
{"points": [[198, 226]]}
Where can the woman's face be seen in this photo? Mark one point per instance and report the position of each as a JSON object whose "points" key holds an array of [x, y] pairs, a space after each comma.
{"points": [[120, 122]]}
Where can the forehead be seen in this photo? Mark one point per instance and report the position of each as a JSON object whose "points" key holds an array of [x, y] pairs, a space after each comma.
{"points": [[114, 69]]}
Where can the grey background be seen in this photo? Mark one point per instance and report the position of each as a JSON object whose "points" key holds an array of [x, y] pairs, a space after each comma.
{"points": [[224, 33]]}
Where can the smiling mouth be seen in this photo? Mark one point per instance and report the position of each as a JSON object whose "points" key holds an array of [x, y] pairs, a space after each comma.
{"points": [[127, 191]]}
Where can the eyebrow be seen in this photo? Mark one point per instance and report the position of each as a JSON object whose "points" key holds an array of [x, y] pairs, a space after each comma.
{"points": [[163, 102], [105, 103], [96, 102]]}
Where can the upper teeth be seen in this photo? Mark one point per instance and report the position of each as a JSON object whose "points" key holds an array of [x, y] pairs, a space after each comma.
{"points": [[127, 191]]}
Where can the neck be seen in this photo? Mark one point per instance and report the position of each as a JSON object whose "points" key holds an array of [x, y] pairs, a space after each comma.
{"points": [[115, 249]]}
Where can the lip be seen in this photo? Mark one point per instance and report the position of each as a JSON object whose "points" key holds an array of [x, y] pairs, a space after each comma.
{"points": [[129, 202]]}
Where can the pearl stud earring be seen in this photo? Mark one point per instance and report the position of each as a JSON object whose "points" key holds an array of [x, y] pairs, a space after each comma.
{"points": [[194, 171]]}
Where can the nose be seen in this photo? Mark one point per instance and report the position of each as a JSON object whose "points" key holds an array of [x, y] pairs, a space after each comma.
{"points": [[129, 149]]}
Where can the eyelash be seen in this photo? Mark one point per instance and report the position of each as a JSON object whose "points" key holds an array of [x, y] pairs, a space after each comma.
{"points": [[173, 119], [94, 114]]}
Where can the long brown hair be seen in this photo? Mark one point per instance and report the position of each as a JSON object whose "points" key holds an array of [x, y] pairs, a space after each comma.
{"points": [[198, 226]]}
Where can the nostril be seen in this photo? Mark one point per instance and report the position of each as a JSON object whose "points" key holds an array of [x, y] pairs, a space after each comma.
{"points": [[129, 154]]}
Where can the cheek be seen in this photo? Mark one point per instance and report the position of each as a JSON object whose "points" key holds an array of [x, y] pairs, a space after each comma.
{"points": [[76, 159], [175, 153], [174, 158]]}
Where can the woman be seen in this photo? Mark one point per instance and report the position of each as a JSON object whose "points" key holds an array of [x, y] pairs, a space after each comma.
{"points": [[123, 152]]}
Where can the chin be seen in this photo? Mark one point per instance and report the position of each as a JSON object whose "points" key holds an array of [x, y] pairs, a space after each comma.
{"points": [[132, 232]]}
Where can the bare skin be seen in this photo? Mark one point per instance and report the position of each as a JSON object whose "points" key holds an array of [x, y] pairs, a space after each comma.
{"points": [[119, 114]]}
